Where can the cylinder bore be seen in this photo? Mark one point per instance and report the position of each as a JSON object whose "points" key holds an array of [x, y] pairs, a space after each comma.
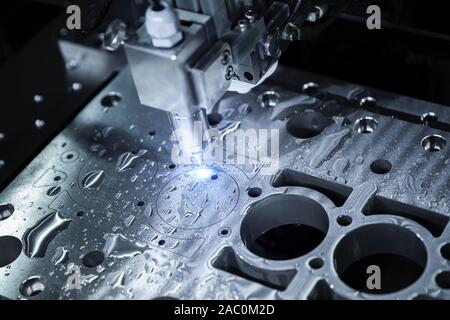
{"points": [[380, 258], [284, 227], [10, 249]]}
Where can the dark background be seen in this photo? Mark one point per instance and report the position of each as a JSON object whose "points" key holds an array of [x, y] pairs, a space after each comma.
{"points": [[409, 56]]}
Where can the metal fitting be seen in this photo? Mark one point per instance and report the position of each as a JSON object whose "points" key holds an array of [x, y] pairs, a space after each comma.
{"points": [[163, 25], [291, 32], [316, 14]]}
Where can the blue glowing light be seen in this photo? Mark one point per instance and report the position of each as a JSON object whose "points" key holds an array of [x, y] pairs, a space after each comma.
{"points": [[203, 173]]}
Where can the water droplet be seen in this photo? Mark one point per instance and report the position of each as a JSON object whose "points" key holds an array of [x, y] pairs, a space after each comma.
{"points": [[128, 160], [93, 179], [38, 237], [61, 256]]}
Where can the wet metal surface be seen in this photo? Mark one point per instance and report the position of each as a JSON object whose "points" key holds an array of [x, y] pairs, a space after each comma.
{"points": [[103, 213]]}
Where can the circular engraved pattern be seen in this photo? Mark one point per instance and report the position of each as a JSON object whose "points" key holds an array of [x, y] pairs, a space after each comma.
{"points": [[197, 199]]}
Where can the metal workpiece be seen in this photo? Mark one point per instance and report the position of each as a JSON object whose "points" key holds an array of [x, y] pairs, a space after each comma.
{"points": [[103, 212]]}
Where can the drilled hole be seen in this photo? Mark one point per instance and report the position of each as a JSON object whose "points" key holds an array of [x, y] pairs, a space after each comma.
{"points": [[112, 99], [283, 227], [381, 166], [254, 192], [366, 125], [316, 263], [80, 213], [57, 178], [433, 143], [429, 117], [140, 203], [398, 253], [6, 211], [32, 286], [214, 177], [224, 232], [214, 118], [443, 280], [344, 220], [172, 166], [161, 242], [93, 259], [248, 76], [158, 6], [445, 251], [307, 124], [10, 249], [310, 87], [269, 99]]}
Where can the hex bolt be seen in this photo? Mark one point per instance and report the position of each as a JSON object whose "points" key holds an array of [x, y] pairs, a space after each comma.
{"points": [[291, 32], [163, 25], [115, 35]]}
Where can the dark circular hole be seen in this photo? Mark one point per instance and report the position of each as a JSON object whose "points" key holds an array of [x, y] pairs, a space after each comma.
{"points": [[6, 211], [344, 220], [214, 177], [366, 125], [80, 213], [398, 253], [157, 6], [161, 242], [32, 287], [445, 251], [10, 249], [310, 87], [112, 99], [254, 192], [69, 156], [307, 124], [224, 232], [214, 118], [443, 280], [152, 133], [381, 166], [429, 117], [57, 178], [93, 259], [172, 166], [434, 143], [283, 227], [248, 76], [316, 263], [140, 203], [269, 99]]}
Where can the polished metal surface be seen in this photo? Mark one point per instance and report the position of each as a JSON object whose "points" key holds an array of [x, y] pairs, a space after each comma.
{"points": [[103, 198]]}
